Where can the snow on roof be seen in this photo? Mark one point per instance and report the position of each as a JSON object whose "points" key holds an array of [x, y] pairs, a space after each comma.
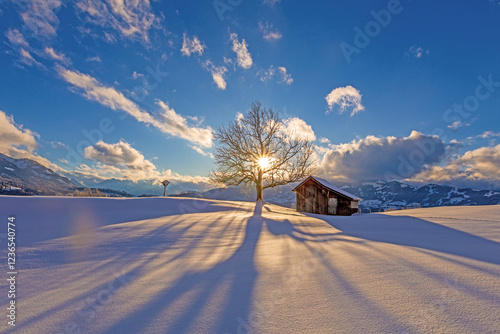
{"points": [[331, 187]]}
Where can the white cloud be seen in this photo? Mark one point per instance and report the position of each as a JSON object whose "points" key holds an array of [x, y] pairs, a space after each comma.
{"points": [[40, 17], [16, 38], [418, 52], [167, 120], [217, 74], [321, 150], [489, 134], [218, 77], [243, 57], [137, 75], [457, 124], [297, 127], [280, 72], [20, 143], [102, 172], [132, 19], [201, 151], [178, 126], [123, 156], [22, 47], [285, 77], [13, 135], [196, 182], [56, 56], [375, 158], [58, 145], [239, 117], [119, 160], [345, 98], [121, 153], [476, 168], [324, 140], [107, 96], [28, 59], [267, 74], [95, 59], [485, 135], [123, 162], [268, 32], [191, 45]]}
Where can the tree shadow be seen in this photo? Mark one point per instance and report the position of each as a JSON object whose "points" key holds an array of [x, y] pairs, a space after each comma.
{"points": [[431, 238], [286, 227], [91, 213], [140, 250], [236, 275], [317, 246], [415, 232]]}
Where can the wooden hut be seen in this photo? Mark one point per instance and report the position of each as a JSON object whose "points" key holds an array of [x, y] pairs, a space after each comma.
{"points": [[315, 195]]}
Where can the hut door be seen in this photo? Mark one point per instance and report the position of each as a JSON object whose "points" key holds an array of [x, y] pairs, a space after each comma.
{"points": [[310, 196], [332, 206]]}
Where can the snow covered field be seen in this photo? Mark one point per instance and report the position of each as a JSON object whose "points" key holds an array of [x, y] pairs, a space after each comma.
{"points": [[154, 265]]}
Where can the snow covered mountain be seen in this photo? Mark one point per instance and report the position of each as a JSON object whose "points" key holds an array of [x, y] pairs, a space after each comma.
{"points": [[32, 177], [135, 188], [142, 187], [377, 196], [383, 195]]}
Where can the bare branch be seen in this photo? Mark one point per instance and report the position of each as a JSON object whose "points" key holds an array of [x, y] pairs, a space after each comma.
{"points": [[260, 134]]}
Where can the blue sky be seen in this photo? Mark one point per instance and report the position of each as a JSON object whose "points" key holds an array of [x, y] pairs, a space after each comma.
{"points": [[162, 75]]}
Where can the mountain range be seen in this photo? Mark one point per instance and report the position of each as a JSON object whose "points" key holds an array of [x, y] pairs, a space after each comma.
{"points": [[34, 178], [377, 196]]}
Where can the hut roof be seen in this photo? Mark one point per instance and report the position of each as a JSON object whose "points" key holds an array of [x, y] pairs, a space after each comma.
{"points": [[331, 187]]}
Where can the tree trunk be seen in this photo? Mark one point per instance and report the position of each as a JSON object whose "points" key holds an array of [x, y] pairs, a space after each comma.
{"points": [[258, 186]]}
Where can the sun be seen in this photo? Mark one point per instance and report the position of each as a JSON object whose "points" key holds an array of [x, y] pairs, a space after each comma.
{"points": [[264, 162]]}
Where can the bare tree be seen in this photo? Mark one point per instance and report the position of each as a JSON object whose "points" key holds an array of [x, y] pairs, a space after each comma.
{"points": [[165, 184], [257, 149]]}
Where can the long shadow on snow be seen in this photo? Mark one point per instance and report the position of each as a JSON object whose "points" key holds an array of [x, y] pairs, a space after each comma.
{"points": [[318, 245], [154, 243], [42, 220], [236, 275], [415, 232], [404, 231]]}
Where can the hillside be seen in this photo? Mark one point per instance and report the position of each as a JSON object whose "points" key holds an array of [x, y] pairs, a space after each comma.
{"points": [[377, 196], [382, 195], [33, 177], [173, 265]]}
